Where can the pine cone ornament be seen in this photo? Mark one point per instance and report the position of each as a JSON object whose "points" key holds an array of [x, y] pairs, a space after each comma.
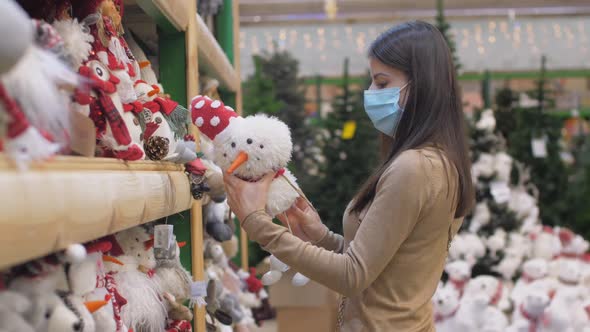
{"points": [[156, 147]]}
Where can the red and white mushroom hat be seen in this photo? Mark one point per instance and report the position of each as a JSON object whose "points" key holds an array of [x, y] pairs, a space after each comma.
{"points": [[211, 116]]}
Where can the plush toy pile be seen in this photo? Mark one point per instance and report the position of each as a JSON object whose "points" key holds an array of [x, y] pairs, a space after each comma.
{"points": [[130, 281], [506, 271], [73, 60]]}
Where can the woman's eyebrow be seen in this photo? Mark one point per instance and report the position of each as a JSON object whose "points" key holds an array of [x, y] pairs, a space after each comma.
{"points": [[378, 74]]}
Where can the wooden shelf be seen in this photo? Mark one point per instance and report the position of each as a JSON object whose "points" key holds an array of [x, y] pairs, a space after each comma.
{"points": [[76, 199], [169, 15], [212, 59]]}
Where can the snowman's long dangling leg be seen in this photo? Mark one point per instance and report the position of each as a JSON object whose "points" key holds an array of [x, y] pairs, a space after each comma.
{"points": [[298, 279]]}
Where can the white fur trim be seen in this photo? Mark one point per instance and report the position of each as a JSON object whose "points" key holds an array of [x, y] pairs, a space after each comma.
{"points": [[215, 104], [199, 122], [215, 121], [200, 105]]}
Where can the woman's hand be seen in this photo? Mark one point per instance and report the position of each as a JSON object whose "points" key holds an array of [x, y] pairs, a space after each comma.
{"points": [[246, 197], [304, 221]]}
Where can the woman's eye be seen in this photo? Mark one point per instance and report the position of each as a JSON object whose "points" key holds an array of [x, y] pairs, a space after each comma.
{"points": [[381, 85]]}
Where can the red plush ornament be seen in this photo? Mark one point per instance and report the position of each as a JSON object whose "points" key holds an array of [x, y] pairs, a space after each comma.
{"points": [[179, 326], [254, 284], [566, 236], [210, 116]]}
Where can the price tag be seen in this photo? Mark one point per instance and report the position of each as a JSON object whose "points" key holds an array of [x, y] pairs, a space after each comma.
{"points": [[500, 191], [163, 236], [348, 130], [539, 147], [199, 289]]}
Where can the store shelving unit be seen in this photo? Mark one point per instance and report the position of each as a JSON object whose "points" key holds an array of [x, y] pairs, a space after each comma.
{"points": [[77, 199]]}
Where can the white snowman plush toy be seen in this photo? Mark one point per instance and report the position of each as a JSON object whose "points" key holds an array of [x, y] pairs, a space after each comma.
{"points": [[532, 270], [446, 304], [490, 287], [459, 273], [530, 315], [249, 148]]}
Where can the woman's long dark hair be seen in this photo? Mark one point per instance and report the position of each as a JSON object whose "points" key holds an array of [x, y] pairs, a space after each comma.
{"points": [[433, 113]]}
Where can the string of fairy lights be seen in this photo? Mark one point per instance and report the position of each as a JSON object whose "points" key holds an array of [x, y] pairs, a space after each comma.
{"points": [[494, 44]]}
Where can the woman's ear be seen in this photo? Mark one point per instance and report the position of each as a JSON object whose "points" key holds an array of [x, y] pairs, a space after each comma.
{"points": [[404, 94]]}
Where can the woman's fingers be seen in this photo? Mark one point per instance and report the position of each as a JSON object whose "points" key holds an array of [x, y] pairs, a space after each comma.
{"points": [[301, 204]]}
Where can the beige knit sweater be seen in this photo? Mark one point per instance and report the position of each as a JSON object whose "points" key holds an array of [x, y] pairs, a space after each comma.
{"points": [[392, 255]]}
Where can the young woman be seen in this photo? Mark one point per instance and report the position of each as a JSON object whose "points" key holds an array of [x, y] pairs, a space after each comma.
{"points": [[398, 227]]}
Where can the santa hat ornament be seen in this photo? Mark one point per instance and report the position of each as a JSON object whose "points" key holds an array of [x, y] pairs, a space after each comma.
{"points": [[211, 116]]}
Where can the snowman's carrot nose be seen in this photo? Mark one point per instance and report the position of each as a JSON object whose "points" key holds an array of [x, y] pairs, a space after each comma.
{"points": [[111, 259], [153, 92], [93, 306], [240, 159]]}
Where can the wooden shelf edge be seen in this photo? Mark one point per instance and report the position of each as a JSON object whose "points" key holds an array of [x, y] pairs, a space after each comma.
{"points": [[169, 15], [73, 163], [43, 212], [213, 60]]}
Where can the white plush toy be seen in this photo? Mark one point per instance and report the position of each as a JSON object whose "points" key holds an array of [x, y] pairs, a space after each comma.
{"points": [[572, 303], [570, 276], [476, 313], [496, 242], [468, 247], [446, 304], [145, 310], [481, 217], [484, 166], [532, 270], [459, 273], [496, 292], [13, 306], [563, 312], [250, 148], [530, 315], [30, 95], [510, 264], [487, 121], [546, 244], [503, 166]]}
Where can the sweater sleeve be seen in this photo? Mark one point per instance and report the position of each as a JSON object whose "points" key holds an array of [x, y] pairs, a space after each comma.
{"points": [[332, 242], [402, 193]]}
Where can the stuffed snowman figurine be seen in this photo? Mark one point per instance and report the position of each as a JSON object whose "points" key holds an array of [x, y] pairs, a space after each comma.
{"points": [[529, 314], [13, 306], [111, 61], [249, 148], [459, 273], [496, 292], [446, 304], [532, 270], [118, 132], [164, 124]]}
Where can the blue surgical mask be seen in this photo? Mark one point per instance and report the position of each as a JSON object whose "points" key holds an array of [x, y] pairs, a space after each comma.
{"points": [[382, 107]]}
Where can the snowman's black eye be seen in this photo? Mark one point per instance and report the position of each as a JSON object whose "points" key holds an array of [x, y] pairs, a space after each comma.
{"points": [[225, 154], [249, 141], [233, 144], [261, 146]]}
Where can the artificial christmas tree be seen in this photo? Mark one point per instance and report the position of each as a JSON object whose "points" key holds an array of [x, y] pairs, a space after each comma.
{"points": [[276, 89], [351, 155], [443, 26]]}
